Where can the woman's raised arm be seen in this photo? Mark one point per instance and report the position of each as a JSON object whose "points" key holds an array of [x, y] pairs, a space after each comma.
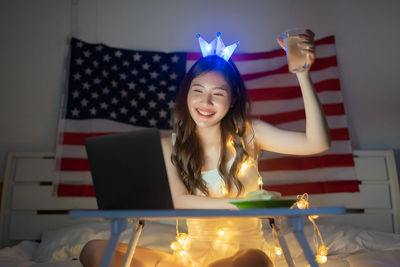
{"points": [[316, 138]]}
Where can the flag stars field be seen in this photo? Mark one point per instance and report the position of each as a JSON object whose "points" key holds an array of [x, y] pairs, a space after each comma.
{"points": [[137, 57], [175, 59], [110, 87]]}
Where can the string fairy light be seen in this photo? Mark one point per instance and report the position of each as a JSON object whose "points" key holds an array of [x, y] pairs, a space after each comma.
{"points": [[322, 250], [247, 163], [244, 165], [322, 254], [220, 232], [223, 190], [180, 245], [276, 249], [302, 202], [230, 141]]}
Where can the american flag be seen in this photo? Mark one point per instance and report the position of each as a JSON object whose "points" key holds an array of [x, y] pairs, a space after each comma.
{"points": [[110, 90]]}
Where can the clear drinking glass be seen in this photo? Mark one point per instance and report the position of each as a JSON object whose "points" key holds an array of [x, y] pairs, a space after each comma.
{"points": [[297, 61]]}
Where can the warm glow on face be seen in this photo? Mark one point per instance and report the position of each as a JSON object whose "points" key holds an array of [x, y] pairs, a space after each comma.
{"points": [[208, 99]]}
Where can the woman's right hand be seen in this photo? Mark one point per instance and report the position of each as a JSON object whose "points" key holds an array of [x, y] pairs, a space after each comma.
{"points": [[307, 46]]}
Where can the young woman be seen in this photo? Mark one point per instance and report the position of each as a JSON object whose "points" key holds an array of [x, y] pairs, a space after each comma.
{"points": [[213, 135]]}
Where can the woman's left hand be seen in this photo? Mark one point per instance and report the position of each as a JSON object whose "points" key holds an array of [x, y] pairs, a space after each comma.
{"points": [[307, 46]]}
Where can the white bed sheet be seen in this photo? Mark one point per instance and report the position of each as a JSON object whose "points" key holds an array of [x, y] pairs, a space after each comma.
{"points": [[348, 246]]}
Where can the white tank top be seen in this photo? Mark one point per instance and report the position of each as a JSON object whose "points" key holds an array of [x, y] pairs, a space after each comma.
{"points": [[207, 243], [248, 176]]}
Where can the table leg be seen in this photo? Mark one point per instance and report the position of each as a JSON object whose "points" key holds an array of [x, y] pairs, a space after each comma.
{"points": [[283, 244], [136, 231], [117, 227], [296, 223]]}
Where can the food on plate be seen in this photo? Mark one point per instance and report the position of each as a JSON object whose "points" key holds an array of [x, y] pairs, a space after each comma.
{"points": [[262, 195]]}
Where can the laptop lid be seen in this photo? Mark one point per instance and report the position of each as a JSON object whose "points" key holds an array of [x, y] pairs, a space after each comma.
{"points": [[128, 170]]}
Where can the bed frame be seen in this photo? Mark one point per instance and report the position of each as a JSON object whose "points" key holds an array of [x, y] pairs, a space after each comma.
{"points": [[28, 206]]}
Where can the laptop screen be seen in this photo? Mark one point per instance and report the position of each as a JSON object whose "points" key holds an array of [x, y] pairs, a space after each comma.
{"points": [[128, 170]]}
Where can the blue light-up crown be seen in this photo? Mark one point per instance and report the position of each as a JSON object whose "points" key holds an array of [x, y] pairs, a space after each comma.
{"points": [[216, 47]]}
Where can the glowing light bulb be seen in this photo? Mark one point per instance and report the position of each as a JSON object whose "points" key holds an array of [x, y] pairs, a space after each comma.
{"points": [[221, 232], [314, 217], [182, 237], [223, 190], [181, 243], [245, 165], [183, 240], [321, 259], [230, 142], [278, 251], [322, 254], [302, 204], [175, 245], [323, 250], [181, 253]]}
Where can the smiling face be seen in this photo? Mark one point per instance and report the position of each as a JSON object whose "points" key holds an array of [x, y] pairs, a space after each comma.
{"points": [[209, 99]]}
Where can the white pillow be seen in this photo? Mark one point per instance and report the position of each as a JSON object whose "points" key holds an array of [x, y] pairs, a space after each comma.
{"points": [[351, 239], [342, 239], [67, 243], [18, 255]]}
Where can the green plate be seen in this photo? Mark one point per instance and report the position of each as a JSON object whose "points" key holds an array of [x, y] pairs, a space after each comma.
{"points": [[257, 204]]}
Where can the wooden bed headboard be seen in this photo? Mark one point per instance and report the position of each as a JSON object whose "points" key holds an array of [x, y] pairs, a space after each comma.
{"points": [[28, 206]]}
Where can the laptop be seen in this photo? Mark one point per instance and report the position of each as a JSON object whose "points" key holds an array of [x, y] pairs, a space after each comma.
{"points": [[128, 171]]}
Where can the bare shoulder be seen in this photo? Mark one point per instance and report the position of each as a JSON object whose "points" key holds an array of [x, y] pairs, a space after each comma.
{"points": [[166, 142]]}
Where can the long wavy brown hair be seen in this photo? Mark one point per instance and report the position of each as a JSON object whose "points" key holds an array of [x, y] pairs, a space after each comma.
{"points": [[187, 154]]}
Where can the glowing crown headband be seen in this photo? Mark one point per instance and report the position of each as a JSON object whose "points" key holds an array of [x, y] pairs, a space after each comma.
{"points": [[216, 47]]}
